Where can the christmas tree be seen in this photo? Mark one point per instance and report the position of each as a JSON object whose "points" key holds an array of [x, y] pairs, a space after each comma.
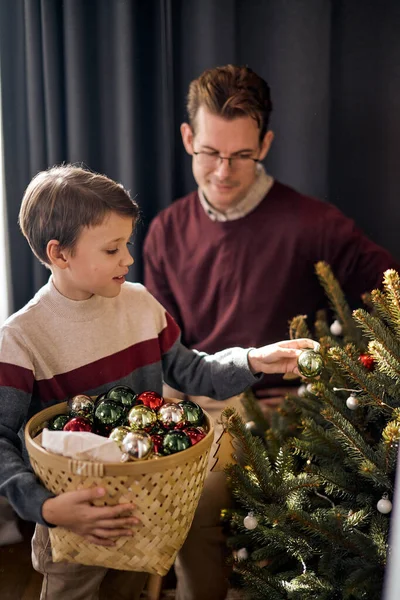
{"points": [[313, 489]]}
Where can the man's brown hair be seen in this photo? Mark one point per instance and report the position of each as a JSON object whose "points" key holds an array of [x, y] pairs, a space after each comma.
{"points": [[60, 202], [231, 92]]}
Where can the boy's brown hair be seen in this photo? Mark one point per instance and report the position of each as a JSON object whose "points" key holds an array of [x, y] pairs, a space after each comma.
{"points": [[60, 202], [231, 92]]}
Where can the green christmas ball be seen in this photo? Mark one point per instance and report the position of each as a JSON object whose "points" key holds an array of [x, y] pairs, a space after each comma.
{"points": [[122, 394], [57, 423], [194, 414], [310, 363], [142, 417], [107, 416], [175, 441]]}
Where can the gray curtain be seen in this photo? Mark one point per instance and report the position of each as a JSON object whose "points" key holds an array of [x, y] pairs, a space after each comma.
{"points": [[103, 83]]}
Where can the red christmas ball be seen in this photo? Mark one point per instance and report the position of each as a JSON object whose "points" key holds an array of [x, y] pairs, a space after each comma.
{"points": [[157, 443], [367, 360], [195, 434], [151, 399], [78, 424]]}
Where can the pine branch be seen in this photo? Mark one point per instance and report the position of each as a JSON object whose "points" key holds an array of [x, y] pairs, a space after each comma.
{"points": [[358, 375], [379, 333], [337, 301], [391, 284], [298, 328], [386, 362], [360, 454]]}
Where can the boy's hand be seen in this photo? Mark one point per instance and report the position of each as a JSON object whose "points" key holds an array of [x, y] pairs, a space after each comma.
{"points": [[280, 357], [98, 524]]}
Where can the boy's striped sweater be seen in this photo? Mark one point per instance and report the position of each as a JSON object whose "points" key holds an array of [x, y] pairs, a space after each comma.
{"points": [[55, 348]]}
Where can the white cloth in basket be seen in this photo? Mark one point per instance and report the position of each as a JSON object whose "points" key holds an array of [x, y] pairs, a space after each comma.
{"points": [[81, 445]]}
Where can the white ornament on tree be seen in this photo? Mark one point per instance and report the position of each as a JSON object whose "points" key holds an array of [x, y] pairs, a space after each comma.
{"points": [[352, 402], [302, 390], [309, 388], [384, 505], [242, 554], [250, 522], [336, 328]]}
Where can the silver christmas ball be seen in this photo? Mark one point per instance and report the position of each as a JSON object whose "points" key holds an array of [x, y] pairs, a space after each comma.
{"points": [[250, 522], [384, 506], [171, 415], [136, 445], [336, 328], [242, 554], [81, 406], [352, 402]]}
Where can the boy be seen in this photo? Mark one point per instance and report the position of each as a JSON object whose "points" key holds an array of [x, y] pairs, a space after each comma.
{"points": [[83, 332]]}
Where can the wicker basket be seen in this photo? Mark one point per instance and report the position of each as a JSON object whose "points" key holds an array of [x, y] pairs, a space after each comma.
{"points": [[165, 490]]}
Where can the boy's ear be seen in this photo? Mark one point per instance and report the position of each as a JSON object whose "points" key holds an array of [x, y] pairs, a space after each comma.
{"points": [[57, 257]]}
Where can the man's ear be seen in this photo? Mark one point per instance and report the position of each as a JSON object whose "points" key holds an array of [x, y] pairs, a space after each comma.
{"points": [[187, 137], [266, 144], [57, 257]]}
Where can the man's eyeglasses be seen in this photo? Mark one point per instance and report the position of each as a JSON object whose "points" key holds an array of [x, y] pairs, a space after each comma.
{"points": [[212, 160]]}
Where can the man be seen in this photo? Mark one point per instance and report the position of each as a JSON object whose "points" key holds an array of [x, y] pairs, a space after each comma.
{"points": [[234, 260]]}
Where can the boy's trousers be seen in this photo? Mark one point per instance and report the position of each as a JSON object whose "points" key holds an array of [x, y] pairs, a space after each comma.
{"points": [[70, 581]]}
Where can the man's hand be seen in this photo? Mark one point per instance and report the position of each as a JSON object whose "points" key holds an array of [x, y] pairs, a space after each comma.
{"points": [[280, 357], [98, 524]]}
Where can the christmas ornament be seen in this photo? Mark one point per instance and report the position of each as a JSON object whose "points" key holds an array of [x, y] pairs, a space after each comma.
{"points": [[99, 398], [367, 360], [352, 402], [250, 426], [195, 434], [118, 434], [78, 424], [80, 406], [310, 363], [242, 554], [158, 429], [142, 417], [302, 390], [336, 328], [384, 505], [250, 522], [107, 416], [151, 399], [157, 444], [224, 454], [193, 412], [122, 394], [136, 445], [170, 415], [57, 423], [254, 429], [175, 441], [309, 388]]}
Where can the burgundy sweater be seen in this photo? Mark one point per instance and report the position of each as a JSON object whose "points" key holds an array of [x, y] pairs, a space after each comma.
{"points": [[238, 283]]}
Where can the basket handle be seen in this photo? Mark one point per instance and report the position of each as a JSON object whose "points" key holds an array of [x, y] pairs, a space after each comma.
{"points": [[88, 469]]}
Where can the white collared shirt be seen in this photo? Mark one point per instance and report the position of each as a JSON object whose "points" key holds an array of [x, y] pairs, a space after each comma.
{"points": [[256, 193]]}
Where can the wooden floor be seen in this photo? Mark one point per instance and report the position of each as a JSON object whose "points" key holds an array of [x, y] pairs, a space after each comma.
{"points": [[18, 579]]}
